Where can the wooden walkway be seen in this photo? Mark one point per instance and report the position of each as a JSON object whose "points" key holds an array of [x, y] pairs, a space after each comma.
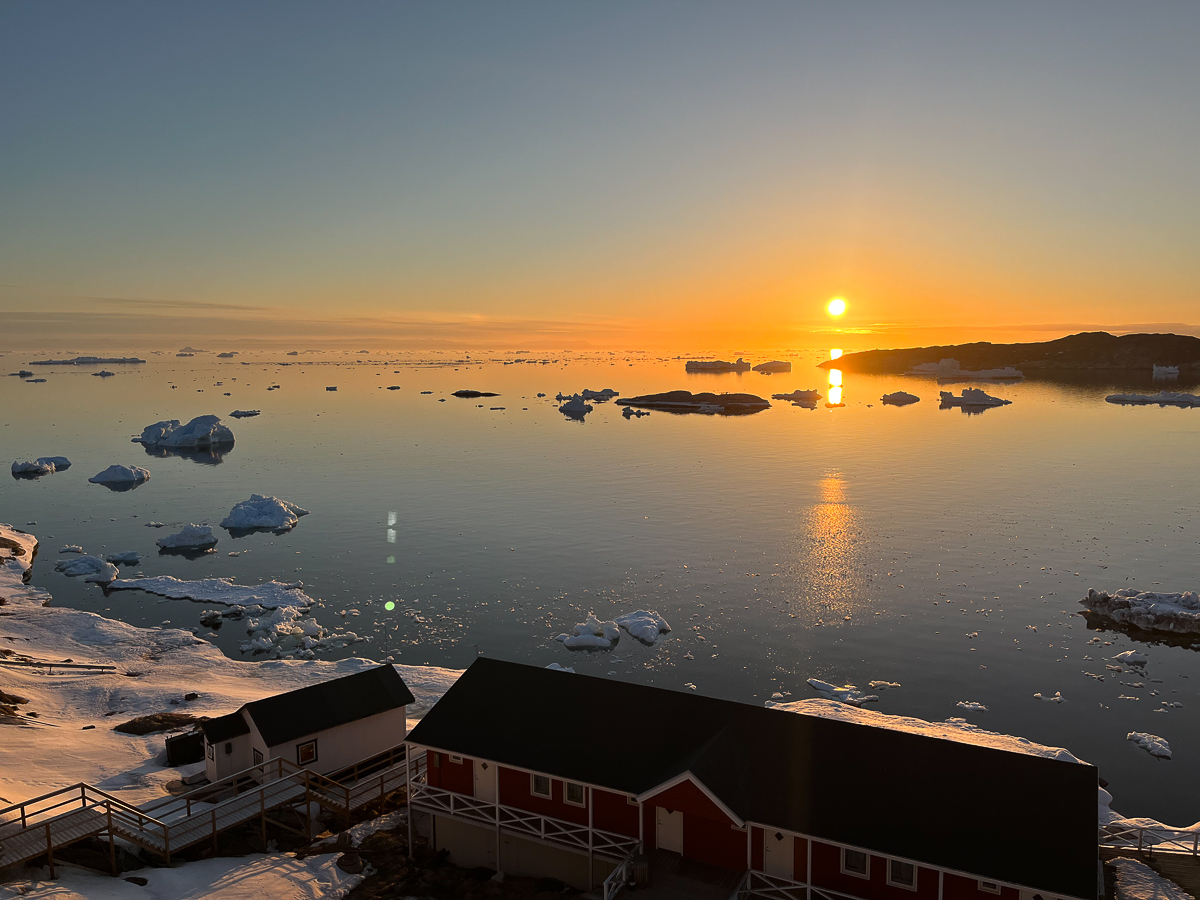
{"points": [[40, 826]]}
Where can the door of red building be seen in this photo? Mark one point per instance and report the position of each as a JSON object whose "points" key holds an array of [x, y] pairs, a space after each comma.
{"points": [[669, 832]]}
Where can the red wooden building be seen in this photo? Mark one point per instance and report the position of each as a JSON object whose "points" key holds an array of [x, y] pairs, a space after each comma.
{"points": [[536, 772]]}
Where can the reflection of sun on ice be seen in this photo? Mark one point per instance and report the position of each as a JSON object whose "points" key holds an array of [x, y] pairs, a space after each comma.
{"points": [[835, 307]]}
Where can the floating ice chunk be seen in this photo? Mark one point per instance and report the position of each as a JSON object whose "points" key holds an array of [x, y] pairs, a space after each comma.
{"points": [[600, 396], [1162, 398], [799, 396], [882, 685], [951, 368], [557, 668], [1148, 610], [202, 431], [644, 625], [845, 693], [269, 595], [261, 511], [575, 407], [899, 398], [245, 413], [190, 536], [1151, 743], [591, 635], [774, 366], [92, 567], [629, 412], [972, 705], [43, 465], [118, 474], [971, 397], [1056, 698], [127, 556], [70, 548], [1132, 658]]}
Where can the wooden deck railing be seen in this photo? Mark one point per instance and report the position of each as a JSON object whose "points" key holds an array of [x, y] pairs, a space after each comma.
{"points": [[1127, 836]]}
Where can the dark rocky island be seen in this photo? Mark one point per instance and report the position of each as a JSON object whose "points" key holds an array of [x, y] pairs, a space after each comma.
{"points": [[1089, 350], [687, 402]]}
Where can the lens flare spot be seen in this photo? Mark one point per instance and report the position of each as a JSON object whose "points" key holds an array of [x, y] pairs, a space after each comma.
{"points": [[389, 606]]}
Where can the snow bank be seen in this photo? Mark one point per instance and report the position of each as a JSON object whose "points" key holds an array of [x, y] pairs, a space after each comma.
{"points": [[591, 635], [1137, 881], [1162, 398], [845, 693], [971, 397], [950, 730], [192, 536], [1151, 743], [202, 431], [1148, 610], [118, 474], [269, 595], [261, 511], [92, 567], [43, 465], [643, 625], [899, 398]]}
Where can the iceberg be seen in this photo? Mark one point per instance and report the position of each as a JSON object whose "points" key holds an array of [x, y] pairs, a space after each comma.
{"points": [[121, 475], [93, 568], [1151, 743], [799, 397], [245, 413], [774, 366], [717, 365], [599, 396], [972, 705], [1166, 371], [899, 398], [1162, 398], [261, 511], [191, 537], [951, 370], [591, 635], [629, 412], [646, 626], [200, 432], [707, 403], [971, 397], [1147, 610], [89, 361], [575, 408], [129, 557], [43, 465]]}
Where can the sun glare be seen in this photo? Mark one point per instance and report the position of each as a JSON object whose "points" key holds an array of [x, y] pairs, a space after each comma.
{"points": [[836, 306]]}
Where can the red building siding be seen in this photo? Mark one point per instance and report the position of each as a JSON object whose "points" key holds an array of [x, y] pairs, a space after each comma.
{"points": [[515, 791], [615, 813], [452, 776], [827, 872], [708, 832], [958, 887], [799, 859]]}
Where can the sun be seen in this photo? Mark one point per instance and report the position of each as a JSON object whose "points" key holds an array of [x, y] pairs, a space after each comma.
{"points": [[835, 307]]}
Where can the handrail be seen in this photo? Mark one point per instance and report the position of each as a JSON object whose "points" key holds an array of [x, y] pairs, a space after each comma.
{"points": [[619, 877], [1140, 837]]}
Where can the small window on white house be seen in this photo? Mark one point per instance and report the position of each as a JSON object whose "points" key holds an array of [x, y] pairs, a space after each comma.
{"points": [[856, 862], [257, 757], [539, 785], [989, 887], [211, 754], [574, 794], [455, 759], [306, 753], [902, 874]]}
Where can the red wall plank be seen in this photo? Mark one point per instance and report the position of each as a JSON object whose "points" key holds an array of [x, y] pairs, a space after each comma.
{"points": [[713, 842], [515, 791]]}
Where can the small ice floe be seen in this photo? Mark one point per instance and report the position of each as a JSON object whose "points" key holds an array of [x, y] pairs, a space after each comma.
{"points": [[1055, 698], [899, 398], [156, 524], [70, 548], [801, 397], [1162, 398], [972, 705], [775, 366], [192, 537], [245, 413], [93, 568], [598, 396], [200, 432], [575, 408], [845, 693], [120, 477], [629, 412], [43, 465], [469, 394], [1132, 658], [971, 398], [129, 557], [239, 597], [883, 685], [1148, 610], [261, 511], [557, 668], [103, 373], [1166, 372], [1151, 743], [591, 635], [643, 625]]}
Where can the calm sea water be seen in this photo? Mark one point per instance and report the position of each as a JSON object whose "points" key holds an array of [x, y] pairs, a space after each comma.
{"points": [[911, 545]]}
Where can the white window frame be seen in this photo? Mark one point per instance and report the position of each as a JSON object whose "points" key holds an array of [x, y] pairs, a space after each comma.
{"points": [[455, 759], [865, 875], [900, 884], [212, 753], [567, 785], [534, 792], [299, 752], [989, 887]]}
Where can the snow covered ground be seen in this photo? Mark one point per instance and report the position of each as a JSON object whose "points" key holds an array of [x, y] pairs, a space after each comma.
{"points": [[1137, 881]]}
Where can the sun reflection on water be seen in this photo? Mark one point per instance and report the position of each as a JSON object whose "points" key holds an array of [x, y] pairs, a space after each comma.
{"points": [[832, 529], [835, 382]]}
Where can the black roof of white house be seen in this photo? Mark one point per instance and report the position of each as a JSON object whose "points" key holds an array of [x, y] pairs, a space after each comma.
{"points": [[997, 814], [318, 707]]}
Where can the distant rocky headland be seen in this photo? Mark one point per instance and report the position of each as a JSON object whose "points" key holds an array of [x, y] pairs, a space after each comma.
{"points": [[1089, 350]]}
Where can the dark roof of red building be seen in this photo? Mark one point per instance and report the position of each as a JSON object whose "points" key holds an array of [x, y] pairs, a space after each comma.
{"points": [[1001, 815], [305, 711]]}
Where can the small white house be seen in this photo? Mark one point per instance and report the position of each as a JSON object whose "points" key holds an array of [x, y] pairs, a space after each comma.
{"points": [[325, 727]]}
